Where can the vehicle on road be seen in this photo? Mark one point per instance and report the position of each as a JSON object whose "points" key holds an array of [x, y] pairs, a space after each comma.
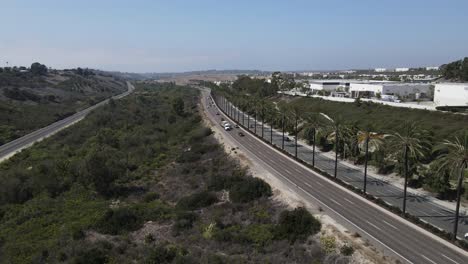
{"points": [[217, 113], [287, 139], [241, 134], [236, 126]]}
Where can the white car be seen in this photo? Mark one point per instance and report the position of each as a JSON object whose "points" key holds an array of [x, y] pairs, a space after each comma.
{"points": [[466, 235]]}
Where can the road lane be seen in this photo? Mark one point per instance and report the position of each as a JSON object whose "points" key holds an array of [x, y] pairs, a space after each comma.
{"points": [[9, 149], [408, 241]]}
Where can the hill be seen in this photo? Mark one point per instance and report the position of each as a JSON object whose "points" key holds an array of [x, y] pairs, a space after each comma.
{"points": [[31, 98], [456, 71]]}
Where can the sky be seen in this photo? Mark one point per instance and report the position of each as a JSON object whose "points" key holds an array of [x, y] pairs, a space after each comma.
{"points": [[176, 35]]}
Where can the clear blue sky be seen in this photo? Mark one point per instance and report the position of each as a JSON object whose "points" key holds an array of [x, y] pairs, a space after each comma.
{"points": [[157, 36]]}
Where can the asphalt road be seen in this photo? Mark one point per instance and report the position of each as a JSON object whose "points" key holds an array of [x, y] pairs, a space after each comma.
{"points": [[9, 149], [418, 205], [393, 234]]}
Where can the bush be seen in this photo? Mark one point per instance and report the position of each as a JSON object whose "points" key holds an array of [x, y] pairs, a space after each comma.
{"points": [[347, 250], [161, 255], [297, 224], [91, 256], [118, 221], [197, 200], [328, 244], [151, 196], [249, 189], [184, 221]]}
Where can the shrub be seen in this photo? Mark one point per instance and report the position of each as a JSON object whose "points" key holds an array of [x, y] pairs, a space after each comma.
{"points": [[161, 255], [328, 244], [91, 256], [151, 196], [347, 250], [260, 234], [297, 224], [184, 221], [118, 221], [197, 200], [249, 189]]}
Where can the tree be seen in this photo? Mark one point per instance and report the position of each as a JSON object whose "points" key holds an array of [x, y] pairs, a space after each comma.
{"points": [[410, 144], [297, 225], [178, 106], [368, 142], [334, 126], [38, 69], [455, 160]]}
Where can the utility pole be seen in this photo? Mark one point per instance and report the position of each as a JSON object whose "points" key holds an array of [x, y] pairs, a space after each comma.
{"points": [[336, 152], [282, 125], [365, 162]]}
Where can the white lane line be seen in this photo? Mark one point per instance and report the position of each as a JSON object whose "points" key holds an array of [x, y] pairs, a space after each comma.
{"points": [[287, 171], [450, 259], [373, 225], [389, 224], [336, 202], [430, 260], [318, 183], [349, 201], [307, 184]]}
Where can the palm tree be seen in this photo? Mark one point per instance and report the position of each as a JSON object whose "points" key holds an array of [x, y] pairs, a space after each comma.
{"points": [[411, 143], [369, 141], [455, 160], [294, 112], [313, 127], [335, 127]]}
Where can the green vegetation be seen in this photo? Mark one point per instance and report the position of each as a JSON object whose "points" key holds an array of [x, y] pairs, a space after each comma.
{"points": [[142, 180], [35, 97], [349, 128], [456, 71]]}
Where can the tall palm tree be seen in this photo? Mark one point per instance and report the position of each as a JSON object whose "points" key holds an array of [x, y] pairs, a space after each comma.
{"points": [[295, 114], [411, 143], [455, 160], [313, 127], [336, 128], [369, 142]]}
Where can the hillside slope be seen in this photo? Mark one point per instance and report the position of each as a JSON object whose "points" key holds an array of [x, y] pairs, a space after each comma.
{"points": [[29, 101]]}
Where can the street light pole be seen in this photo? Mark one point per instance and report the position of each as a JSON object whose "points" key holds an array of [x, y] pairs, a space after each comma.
{"points": [[313, 149], [365, 162], [336, 153], [295, 140], [457, 210], [282, 125]]}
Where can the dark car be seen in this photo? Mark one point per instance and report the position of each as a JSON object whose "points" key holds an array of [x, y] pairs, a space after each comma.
{"points": [[236, 126], [287, 139], [241, 134], [217, 113]]}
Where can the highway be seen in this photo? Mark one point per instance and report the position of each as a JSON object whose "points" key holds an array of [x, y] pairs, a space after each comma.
{"points": [[422, 206], [393, 234], [9, 149]]}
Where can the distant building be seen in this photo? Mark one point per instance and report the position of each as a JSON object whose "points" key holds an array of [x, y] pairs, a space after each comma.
{"points": [[401, 69], [328, 85], [432, 68], [451, 94], [372, 89], [380, 69]]}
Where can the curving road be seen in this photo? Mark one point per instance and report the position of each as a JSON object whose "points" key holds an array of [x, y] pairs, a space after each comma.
{"points": [[394, 235], [11, 148]]}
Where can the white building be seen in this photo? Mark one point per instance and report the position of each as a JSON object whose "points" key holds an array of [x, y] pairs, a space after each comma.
{"points": [[432, 68], [328, 85], [380, 69], [371, 89], [401, 69], [451, 94]]}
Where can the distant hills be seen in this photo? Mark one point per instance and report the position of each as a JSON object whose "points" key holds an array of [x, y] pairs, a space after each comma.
{"points": [[456, 71]]}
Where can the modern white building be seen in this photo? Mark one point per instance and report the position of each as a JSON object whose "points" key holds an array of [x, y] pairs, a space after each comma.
{"points": [[328, 85], [451, 94], [401, 69], [371, 89], [432, 68], [380, 69]]}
